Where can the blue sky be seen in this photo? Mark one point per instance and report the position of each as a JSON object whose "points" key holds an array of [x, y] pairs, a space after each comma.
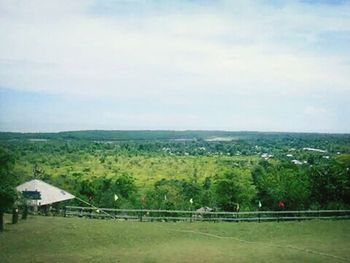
{"points": [[137, 64]]}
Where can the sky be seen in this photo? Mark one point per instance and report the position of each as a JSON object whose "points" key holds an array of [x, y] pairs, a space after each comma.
{"points": [[263, 65]]}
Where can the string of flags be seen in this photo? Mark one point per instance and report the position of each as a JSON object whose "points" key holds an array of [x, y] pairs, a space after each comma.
{"points": [[166, 198], [116, 197]]}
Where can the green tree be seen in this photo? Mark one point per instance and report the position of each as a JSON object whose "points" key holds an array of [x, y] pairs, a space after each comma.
{"points": [[282, 182], [123, 186], [207, 196], [8, 181], [330, 185], [234, 187]]}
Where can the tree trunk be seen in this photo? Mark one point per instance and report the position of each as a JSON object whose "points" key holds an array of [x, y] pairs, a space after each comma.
{"points": [[25, 212], [1, 220], [14, 215]]}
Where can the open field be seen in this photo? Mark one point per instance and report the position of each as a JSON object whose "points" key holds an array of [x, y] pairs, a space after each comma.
{"points": [[145, 169], [53, 239]]}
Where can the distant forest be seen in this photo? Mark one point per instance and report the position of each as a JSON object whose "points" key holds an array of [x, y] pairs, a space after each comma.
{"points": [[126, 135], [166, 169]]}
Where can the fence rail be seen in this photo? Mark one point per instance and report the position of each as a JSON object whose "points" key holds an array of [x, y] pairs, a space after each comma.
{"points": [[179, 215]]}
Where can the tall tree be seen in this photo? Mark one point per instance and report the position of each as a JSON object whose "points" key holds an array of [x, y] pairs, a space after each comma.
{"points": [[234, 188], [8, 182]]}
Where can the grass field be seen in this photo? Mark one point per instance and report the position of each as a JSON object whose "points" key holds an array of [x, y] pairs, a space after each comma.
{"points": [[54, 239]]}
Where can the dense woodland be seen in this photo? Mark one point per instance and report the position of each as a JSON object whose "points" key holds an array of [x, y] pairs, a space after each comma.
{"points": [[166, 169]]}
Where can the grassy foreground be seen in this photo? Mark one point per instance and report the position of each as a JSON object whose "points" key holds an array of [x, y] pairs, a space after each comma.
{"points": [[53, 239]]}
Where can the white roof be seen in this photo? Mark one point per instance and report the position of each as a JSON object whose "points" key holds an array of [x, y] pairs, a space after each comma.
{"points": [[314, 149], [296, 162], [204, 209], [49, 194]]}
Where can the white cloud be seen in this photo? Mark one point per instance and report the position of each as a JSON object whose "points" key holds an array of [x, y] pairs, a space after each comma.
{"points": [[315, 111], [174, 54], [120, 56]]}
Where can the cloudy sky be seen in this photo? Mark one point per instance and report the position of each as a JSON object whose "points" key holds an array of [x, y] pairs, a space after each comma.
{"points": [[264, 65]]}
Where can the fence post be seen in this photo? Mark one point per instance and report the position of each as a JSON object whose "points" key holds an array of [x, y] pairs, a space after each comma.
{"points": [[14, 215], [141, 215], [25, 212]]}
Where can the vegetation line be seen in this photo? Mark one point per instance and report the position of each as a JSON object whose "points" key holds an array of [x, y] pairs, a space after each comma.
{"points": [[254, 242]]}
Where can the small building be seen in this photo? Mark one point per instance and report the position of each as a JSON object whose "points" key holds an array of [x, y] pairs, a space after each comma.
{"points": [[47, 194], [204, 209], [314, 150]]}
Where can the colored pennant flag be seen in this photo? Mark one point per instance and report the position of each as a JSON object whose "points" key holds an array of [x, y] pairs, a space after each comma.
{"points": [[115, 197], [191, 201], [260, 205]]}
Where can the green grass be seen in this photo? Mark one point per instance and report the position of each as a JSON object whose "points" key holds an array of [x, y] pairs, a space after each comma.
{"points": [[54, 239]]}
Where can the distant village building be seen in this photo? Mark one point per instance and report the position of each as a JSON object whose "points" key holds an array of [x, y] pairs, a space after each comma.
{"points": [[297, 162], [266, 156], [314, 150]]}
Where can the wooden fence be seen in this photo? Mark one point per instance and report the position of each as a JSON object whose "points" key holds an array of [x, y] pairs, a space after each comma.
{"points": [[178, 215]]}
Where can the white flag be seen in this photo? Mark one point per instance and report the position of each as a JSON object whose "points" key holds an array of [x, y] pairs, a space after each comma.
{"points": [[115, 197], [191, 201], [260, 205], [165, 197]]}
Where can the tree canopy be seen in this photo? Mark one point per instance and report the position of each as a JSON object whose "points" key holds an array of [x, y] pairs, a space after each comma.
{"points": [[8, 181]]}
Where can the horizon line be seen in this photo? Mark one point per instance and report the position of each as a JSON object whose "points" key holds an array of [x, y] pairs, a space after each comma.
{"points": [[175, 130]]}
